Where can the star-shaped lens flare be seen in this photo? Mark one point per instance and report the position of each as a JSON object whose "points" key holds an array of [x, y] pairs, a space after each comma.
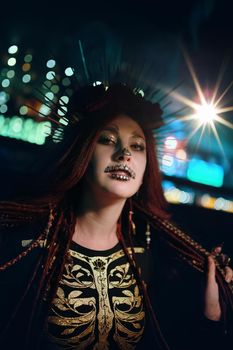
{"points": [[208, 111]]}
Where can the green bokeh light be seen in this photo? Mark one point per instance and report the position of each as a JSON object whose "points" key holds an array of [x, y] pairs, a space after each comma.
{"points": [[24, 129], [206, 173]]}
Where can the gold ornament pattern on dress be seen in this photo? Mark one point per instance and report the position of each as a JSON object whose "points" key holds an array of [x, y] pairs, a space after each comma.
{"points": [[97, 296]]}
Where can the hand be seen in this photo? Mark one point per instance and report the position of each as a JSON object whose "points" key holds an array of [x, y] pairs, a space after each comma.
{"points": [[212, 309], [223, 261]]}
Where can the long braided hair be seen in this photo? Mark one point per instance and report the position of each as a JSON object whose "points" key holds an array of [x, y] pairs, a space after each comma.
{"points": [[58, 206]]}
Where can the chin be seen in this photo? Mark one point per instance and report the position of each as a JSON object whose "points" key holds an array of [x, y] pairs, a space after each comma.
{"points": [[123, 193]]}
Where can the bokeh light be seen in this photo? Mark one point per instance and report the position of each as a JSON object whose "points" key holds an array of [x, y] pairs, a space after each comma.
{"points": [[12, 49]]}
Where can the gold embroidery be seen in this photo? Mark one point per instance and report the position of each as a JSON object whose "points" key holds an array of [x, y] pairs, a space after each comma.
{"points": [[119, 277], [128, 328], [114, 256], [112, 303], [80, 326]]}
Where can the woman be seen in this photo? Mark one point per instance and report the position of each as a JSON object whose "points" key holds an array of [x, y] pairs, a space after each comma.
{"points": [[95, 262]]}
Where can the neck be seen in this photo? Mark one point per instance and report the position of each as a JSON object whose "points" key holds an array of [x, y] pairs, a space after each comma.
{"points": [[96, 225]]}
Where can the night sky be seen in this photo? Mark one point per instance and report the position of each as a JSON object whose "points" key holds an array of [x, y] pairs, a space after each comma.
{"points": [[204, 27], [202, 24]]}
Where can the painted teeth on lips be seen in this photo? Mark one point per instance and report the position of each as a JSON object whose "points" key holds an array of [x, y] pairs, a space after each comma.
{"points": [[120, 167], [119, 177]]}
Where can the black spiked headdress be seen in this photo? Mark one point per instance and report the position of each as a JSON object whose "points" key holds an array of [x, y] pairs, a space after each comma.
{"points": [[91, 102]]}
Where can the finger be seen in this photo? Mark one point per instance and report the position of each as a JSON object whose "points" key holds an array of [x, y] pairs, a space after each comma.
{"points": [[217, 250], [228, 274], [222, 259]]}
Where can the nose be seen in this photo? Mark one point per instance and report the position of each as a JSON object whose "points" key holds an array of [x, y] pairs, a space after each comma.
{"points": [[123, 154]]}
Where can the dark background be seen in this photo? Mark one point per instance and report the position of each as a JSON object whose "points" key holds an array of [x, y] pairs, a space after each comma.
{"points": [[204, 28]]}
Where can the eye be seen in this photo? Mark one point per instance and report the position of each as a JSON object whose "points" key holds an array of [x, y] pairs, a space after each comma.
{"points": [[107, 140], [138, 147]]}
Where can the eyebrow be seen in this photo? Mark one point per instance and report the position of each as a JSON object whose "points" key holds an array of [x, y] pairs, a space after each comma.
{"points": [[114, 128]]}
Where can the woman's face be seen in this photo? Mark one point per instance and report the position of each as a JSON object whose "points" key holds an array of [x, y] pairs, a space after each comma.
{"points": [[119, 159]]}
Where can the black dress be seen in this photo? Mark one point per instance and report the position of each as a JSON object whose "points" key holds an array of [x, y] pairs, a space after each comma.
{"points": [[98, 304]]}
